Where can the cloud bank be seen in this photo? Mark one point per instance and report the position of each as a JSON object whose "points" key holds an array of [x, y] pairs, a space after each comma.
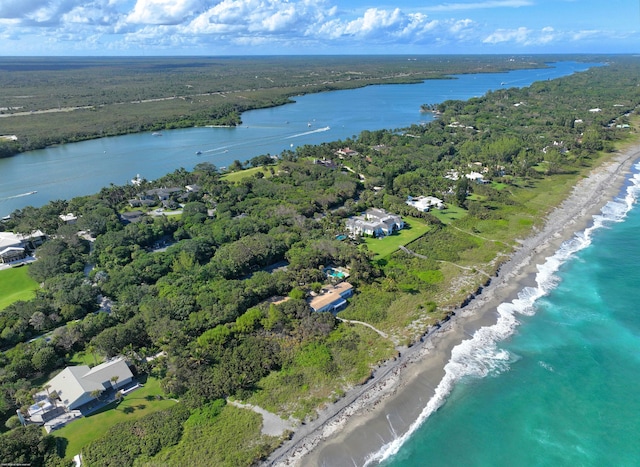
{"points": [[265, 26]]}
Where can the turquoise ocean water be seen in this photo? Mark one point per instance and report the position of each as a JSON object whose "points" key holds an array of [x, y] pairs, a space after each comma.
{"points": [[555, 382]]}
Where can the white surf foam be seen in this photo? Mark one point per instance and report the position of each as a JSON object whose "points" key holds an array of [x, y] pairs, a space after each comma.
{"points": [[480, 356]]}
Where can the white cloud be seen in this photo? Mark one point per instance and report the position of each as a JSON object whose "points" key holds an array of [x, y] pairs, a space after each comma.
{"points": [[525, 36], [586, 34], [277, 26], [163, 11], [519, 36], [12, 9]]}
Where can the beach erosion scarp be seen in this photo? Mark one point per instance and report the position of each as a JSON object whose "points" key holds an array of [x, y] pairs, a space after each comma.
{"points": [[373, 420]]}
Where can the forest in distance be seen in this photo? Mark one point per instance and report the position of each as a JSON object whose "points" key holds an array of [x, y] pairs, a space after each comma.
{"points": [[197, 289], [47, 101]]}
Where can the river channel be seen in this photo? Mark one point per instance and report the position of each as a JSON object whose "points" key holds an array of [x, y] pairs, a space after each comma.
{"points": [[70, 170]]}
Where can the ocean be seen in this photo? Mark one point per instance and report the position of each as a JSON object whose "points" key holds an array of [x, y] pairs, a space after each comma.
{"points": [[555, 381]]}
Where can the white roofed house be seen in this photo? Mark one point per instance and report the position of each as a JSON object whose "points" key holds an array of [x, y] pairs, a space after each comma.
{"points": [[80, 385], [332, 298], [69, 218], [12, 253], [374, 223], [12, 247], [477, 177], [425, 203]]}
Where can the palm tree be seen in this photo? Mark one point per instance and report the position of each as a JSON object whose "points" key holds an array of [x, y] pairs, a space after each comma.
{"points": [[114, 380], [96, 393], [53, 397], [92, 350]]}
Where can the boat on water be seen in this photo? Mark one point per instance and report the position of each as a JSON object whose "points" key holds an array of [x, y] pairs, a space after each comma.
{"points": [[137, 180], [198, 153], [156, 133], [32, 193]]}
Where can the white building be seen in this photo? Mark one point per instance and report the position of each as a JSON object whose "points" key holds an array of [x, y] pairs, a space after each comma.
{"points": [[425, 203], [375, 223], [476, 177], [78, 385]]}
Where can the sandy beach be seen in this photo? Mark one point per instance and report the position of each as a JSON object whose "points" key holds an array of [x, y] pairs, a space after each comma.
{"points": [[349, 431]]}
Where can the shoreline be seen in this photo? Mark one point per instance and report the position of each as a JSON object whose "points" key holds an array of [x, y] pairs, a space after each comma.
{"points": [[349, 431]]}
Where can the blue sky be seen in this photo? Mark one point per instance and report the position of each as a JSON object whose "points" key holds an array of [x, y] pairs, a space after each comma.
{"points": [[266, 27]]}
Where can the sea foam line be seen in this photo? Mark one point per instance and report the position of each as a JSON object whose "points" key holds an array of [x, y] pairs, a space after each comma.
{"points": [[480, 355]]}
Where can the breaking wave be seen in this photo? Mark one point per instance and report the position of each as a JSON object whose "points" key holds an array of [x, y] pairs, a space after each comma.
{"points": [[480, 355]]}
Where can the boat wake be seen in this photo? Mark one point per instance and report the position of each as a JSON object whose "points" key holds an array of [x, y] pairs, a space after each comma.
{"points": [[20, 195], [480, 356], [319, 130]]}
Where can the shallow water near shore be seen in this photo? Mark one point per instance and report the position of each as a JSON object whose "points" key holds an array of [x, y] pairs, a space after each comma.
{"points": [[554, 381]]}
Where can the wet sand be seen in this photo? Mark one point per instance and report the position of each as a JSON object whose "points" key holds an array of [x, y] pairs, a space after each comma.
{"points": [[374, 414]]}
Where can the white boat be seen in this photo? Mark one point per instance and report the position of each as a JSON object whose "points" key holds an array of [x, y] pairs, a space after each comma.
{"points": [[156, 133]]}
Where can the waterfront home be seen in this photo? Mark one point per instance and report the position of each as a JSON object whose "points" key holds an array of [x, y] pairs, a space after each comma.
{"points": [[11, 254], [476, 177], [68, 218], [131, 217], [332, 298], [9, 244], [78, 391], [76, 386], [425, 203], [374, 223], [346, 152], [15, 247], [161, 194]]}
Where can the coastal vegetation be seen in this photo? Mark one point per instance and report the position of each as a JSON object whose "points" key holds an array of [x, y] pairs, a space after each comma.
{"points": [[225, 303]]}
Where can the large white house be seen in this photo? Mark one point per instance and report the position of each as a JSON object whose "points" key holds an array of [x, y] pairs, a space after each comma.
{"points": [[425, 203], [78, 385], [375, 223], [14, 247]]}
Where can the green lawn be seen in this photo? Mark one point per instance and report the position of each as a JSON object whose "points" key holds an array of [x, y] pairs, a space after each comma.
{"points": [[235, 177], [135, 405], [86, 358], [449, 214], [16, 284], [383, 247]]}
